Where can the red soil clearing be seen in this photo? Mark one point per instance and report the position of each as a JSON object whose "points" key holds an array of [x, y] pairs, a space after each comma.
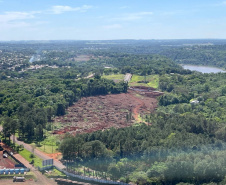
{"points": [[6, 162], [102, 112], [55, 156], [137, 108]]}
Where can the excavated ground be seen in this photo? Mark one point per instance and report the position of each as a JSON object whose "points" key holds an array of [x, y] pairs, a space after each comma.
{"points": [[102, 112]]}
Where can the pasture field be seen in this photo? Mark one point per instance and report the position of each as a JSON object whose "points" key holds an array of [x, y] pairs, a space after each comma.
{"points": [[114, 77], [152, 81]]}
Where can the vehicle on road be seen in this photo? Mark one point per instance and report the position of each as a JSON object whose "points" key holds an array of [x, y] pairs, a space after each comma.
{"points": [[5, 155], [18, 179]]}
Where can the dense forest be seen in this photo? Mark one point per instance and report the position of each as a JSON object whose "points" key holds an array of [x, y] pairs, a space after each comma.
{"points": [[208, 55], [31, 102], [30, 99], [185, 142], [182, 142]]}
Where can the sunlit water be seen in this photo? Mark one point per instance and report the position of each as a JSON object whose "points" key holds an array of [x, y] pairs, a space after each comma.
{"points": [[203, 69]]}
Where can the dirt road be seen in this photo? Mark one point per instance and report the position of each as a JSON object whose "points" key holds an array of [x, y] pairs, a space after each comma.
{"points": [[41, 179], [136, 109]]}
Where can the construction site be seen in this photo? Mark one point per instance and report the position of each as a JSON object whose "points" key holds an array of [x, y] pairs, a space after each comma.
{"points": [[103, 112]]}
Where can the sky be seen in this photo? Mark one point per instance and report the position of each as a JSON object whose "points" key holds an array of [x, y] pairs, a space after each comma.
{"points": [[112, 19]]}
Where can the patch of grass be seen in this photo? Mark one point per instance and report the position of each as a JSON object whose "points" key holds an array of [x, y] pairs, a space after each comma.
{"points": [[27, 155], [139, 118], [49, 144], [115, 77], [136, 78], [153, 81], [136, 124], [124, 110], [48, 149], [54, 173], [138, 95]]}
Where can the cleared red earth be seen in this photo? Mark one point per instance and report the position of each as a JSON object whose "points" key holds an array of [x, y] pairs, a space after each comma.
{"points": [[103, 112], [6, 162]]}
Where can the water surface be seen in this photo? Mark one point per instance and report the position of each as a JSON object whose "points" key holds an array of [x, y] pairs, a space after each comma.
{"points": [[203, 69]]}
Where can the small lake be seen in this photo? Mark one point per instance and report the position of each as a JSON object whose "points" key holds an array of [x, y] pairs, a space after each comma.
{"points": [[203, 69]]}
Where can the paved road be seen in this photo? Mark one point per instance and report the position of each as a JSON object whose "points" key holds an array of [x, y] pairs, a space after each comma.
{"points": [[39, 153], [127, 77], [41, 179], [36, 152]]}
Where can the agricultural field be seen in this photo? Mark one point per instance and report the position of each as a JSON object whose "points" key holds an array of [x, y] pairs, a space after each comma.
{"points": [[102, 112], [115, 77], [152, 81]]}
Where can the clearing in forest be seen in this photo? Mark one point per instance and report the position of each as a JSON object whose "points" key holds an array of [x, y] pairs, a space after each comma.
{"points": [[115, 77], [82, 58], [102, 112], [151, 81]]}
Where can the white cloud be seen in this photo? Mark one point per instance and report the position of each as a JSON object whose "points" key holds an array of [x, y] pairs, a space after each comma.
{"points": [[222, 3], [62, 9], [12, 20], [134, 16], [14, 16], [113, 26], [124, 7]]}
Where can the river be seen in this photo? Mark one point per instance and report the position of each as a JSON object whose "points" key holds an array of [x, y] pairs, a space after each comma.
{"points": [[203, 69]]}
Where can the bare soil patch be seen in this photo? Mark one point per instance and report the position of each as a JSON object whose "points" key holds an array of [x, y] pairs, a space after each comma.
{"points": [[81, 58], [102, 112], [56, 156], [10, 182], [6, 162], [84, 58]]}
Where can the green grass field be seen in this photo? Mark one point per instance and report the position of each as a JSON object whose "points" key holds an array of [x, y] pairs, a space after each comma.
{"points": [[55, 174], [153, 81], [115, 77], [49, 145], [26, 154], [48, 149]]}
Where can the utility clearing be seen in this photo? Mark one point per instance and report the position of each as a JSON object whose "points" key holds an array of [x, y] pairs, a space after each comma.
{"points": [[103, 112]]}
